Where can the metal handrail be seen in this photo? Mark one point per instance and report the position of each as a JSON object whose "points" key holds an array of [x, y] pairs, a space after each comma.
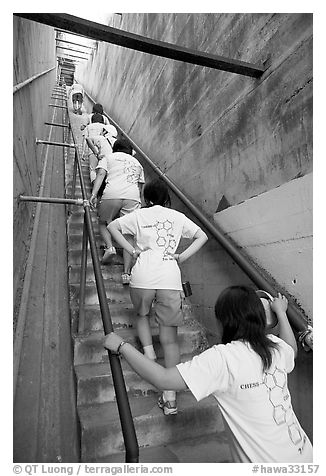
{"points": [[127, 424], [296, 317]]}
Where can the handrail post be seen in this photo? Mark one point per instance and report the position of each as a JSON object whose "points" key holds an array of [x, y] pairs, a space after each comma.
{"points": [[82, 288], [73, 185]]}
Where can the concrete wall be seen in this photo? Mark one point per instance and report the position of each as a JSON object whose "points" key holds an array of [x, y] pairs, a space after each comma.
{"points": [[223, 138], [275, 229], [33, 53], [45, 424]]}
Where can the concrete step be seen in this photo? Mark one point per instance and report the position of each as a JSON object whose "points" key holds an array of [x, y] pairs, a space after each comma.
{"points": [[69, 177], [76, 226], [88, 347], [78, 217], [75, 240], [79, 210], [101, 431], [210, 448], [87, 184], [74, 257], [95, 384], [122, 316], [78, 192], [76, 237], [114, 292], [110, 273], [84, 166]]}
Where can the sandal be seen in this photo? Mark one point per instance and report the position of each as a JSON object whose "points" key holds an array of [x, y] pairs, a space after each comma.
{"points": [[125, 277]]}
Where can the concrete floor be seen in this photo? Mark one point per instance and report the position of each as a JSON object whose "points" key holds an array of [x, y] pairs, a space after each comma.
{"points": [[205, 449]]}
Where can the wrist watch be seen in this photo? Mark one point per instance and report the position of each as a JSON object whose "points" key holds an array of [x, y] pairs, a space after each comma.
{"points": [[120, 345]]}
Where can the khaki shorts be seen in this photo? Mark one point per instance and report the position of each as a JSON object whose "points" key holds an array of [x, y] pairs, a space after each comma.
{"points": [[110, 208], [167, 305], [77, 97]]}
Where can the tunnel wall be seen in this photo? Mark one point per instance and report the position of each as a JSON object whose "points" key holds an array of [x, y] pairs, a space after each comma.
{"points": [[45, 427], [33, 53], [226, 140]]}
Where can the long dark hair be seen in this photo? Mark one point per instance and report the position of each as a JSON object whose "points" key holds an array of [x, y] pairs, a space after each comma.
{"points": [[156, 193], [242, 315]]}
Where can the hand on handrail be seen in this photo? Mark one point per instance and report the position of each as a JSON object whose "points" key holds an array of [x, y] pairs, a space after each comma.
{"points": [[279, 304], [112, 341], [93, 202]]}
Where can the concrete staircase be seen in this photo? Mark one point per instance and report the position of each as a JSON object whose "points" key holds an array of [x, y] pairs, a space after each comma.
{"points": [[161, 438]]}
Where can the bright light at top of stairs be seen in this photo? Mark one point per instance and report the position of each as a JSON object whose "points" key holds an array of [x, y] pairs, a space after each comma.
{"points": [[96, 16]]}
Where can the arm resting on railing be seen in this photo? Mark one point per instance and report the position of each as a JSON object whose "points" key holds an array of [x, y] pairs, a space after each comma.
{"points": [[279, 305], [154, 373]]}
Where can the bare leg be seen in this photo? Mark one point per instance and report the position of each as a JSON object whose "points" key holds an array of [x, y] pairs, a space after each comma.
{"points": [[145, 336], [106, 236], [107, 210], [144, 330], [142, 302], [169, 342], [92, 166]]}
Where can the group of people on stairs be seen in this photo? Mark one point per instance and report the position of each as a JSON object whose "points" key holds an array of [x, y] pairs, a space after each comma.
{"points": [[247, 371]]}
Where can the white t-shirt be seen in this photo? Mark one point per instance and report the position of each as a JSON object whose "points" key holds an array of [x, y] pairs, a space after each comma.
{"points": [[256, 405], [77, 88], [110, 133], [97, 129], [94, 130], [124, 173], [158, 231]]}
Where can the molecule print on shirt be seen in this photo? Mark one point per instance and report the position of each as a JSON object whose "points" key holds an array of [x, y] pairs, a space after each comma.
{"points": [[132, 172], [165, 238], [275, 380]]}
